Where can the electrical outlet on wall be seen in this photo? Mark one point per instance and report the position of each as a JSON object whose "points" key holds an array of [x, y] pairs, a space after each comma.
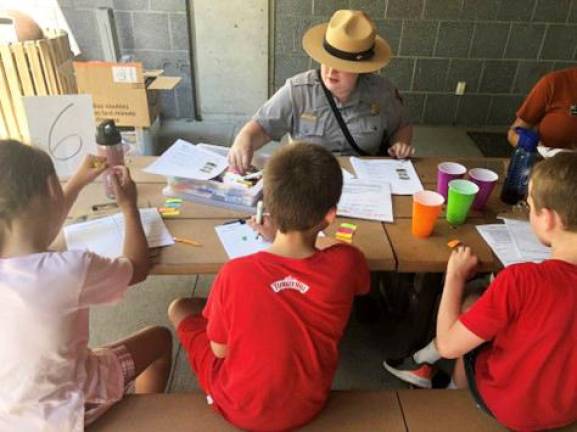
{"points": [[461, 86]]}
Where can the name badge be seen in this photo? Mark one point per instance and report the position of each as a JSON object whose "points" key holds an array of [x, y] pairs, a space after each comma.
{"points": [[309, 116]]}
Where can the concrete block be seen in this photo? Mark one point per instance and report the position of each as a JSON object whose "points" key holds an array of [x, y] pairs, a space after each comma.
{"points": [[454, 39], [124, 29], [564, 65], [489, 40], [390, 30], [326, 9], [414, 103], [473, 110], [179, 31], [373, 8], [174, 63], [132, 5], [464, 70], [405, 8], [400, 72], [480, 9], [552, 11], [503, 109], [168, 5], [443, 9], [440, 109], [498, 76], [560, 42], [430, 74], [285, 34], [83, 24], [168, 105], [525, 41], [528, 74], [184, 101], [515, 10], [81, 4], [288, 65], [151, 30], [573, 12], [294, 7], [418, 38]]}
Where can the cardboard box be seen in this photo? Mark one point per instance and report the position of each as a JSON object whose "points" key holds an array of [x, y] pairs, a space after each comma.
{"points": [[123, 92]]}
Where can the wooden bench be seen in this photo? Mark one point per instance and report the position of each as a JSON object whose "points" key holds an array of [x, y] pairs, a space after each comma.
{"points": [[387, 410]]}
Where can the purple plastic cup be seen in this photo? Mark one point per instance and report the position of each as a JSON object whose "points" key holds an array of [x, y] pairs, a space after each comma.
{"points": [[446, 172], [486, 180]]}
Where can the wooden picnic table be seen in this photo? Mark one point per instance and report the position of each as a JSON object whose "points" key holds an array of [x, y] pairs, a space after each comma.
{"points": [[387, 246]]}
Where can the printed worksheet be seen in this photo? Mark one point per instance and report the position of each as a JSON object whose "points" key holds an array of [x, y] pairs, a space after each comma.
{"points": [[499, 239], [105, 236], [364, 200], [526, 242], [187, 160], [239, 239], [399, 174]]}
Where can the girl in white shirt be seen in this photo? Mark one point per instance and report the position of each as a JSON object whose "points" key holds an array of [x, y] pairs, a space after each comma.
{"points": [[49, 379]]}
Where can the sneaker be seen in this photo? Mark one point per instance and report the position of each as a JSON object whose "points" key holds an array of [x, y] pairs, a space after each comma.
{"points": [[412, 372]]}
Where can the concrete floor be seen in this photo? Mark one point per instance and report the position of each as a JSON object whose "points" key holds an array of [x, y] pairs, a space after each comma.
{"points": [[363, 346]]}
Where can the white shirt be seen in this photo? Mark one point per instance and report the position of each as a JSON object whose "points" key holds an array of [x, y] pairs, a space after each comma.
{"points": [[47, 371]]}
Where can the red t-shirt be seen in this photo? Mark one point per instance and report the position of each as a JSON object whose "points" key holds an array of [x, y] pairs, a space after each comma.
{"points": [[552, 105], [282, 320], [528, 375]]}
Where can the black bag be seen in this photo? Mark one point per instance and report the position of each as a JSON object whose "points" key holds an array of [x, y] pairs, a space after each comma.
{"points": [[343, 125]]}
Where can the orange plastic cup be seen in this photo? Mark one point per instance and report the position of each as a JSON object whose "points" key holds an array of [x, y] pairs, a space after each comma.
{"points": [[427, 206]]}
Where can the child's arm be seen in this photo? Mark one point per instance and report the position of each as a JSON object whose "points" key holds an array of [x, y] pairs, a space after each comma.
{"points": [[453, 338], [135, 244], [219, 350], [90, 168]]}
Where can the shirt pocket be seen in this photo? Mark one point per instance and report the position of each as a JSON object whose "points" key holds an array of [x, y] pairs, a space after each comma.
{"points": [[310, 125], [368, 132]]}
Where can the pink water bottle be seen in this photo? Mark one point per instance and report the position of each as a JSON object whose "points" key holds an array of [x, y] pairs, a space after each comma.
{"points": [[109, 146]]}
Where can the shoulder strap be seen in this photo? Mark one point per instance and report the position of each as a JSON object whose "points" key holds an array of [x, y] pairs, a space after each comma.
{"points": [[340, 120]]}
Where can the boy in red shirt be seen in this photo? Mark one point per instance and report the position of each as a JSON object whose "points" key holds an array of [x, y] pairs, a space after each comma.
{"points": [[520, 337], [265, 348]]}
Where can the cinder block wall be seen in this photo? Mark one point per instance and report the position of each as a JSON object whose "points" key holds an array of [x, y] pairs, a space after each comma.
{"points": [[499, 47], [154, 31]]}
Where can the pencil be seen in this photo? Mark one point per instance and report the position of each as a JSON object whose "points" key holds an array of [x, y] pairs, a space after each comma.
{"points": [[187, 241]]}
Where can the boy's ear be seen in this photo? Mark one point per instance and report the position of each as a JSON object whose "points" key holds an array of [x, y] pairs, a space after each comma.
{"points": [[53, 186], [331, 216]]}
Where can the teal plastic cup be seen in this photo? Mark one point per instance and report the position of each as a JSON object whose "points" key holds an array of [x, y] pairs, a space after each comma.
{"points": [[461, 195]]}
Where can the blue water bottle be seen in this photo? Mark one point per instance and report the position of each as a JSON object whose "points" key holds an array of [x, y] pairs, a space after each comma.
{"points": [[522, 160]]}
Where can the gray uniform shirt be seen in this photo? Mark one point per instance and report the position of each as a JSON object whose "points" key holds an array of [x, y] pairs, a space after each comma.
{"points": [[373, 112]]}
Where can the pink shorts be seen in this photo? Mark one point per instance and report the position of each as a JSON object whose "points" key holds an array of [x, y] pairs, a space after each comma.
{"points": [[192, 335], [110, 375]]}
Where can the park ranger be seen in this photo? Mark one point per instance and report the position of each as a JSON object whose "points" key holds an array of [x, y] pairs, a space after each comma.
{"points": [[344, 106]]}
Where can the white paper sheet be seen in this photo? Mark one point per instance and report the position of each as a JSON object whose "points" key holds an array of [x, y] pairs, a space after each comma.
{"points": [[526, 242], [239, 239], [400, 174], [105, 236], [499, 240], [186, 160], [364, 200], [347, 175], [63, 126]]}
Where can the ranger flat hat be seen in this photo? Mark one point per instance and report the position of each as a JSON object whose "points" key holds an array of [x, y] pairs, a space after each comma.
{"points": [[348, 43]]}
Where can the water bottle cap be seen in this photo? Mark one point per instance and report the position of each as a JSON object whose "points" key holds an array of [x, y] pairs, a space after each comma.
{"points": [[107, 133]]}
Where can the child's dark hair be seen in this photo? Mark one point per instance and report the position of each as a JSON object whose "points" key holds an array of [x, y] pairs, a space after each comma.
{"points": [[554, 186], [302, 182], [24, 171]]}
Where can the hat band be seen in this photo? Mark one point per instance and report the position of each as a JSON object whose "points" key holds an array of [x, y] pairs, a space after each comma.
{"points": [[344, 55]]}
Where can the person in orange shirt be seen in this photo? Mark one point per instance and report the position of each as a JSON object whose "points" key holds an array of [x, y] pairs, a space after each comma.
{"points": [[551, 108]]}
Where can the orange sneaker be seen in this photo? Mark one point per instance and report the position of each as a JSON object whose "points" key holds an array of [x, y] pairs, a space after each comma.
{"points": [[408, 370]]}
